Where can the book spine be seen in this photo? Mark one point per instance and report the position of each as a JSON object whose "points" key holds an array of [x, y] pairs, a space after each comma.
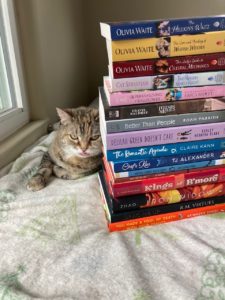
{"points": [[195, 63], [141, 201], [161, 197], [157, 210], [134, 165], [183, 45], [163, 109], [154, 210], [167, 182], [164, 121], [160, 82], [125, 203], [145, 184], [165, 150], [171, 168], [165, 218], [166, 136], [173, 94], [137, 30]]}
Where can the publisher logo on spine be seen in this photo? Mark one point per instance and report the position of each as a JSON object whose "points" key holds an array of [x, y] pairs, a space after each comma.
{"points": [[114, 114]]}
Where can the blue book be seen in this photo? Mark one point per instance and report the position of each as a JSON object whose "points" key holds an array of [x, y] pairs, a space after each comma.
{"points": [[172, 168], [144, 164], [165, 150], [160, 28]]}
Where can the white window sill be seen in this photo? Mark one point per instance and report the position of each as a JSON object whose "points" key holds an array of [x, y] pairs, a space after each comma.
{"points": [[14, 145], [11, 120]]}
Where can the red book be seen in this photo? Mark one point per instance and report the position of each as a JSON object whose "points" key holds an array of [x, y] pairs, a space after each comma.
{"points": [[151, 199], [171, 181], [172, 65]]}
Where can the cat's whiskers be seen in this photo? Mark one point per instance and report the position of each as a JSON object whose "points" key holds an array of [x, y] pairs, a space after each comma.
{"points": [[70, 151]]}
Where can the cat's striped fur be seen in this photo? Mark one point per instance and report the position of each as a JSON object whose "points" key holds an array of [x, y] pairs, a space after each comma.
{"points": [[76, 149]]}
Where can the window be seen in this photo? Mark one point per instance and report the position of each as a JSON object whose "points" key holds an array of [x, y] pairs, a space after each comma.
{"points": [[13, 105]]}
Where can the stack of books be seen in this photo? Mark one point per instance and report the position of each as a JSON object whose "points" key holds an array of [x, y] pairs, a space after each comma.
{"points": [[162, 120]]}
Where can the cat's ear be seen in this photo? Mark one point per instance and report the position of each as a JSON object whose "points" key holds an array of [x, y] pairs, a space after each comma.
{"points": [[65, 118], [95, 114]]}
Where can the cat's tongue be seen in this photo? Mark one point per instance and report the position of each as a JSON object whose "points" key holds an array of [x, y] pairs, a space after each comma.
{"points": [[84, 154]]}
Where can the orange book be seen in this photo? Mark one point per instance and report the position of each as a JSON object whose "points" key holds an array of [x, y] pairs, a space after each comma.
{"points": [[165, 218]]}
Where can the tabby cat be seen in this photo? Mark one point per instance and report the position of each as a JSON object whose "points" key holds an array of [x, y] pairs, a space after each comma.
{"points": [[76, 149]]}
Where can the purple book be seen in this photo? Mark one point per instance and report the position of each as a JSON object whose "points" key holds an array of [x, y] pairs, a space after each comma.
{"points": [[162, 136]]}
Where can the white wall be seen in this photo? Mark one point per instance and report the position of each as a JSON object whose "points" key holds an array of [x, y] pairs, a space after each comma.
{"points": [[64, 53], [53, 45]]}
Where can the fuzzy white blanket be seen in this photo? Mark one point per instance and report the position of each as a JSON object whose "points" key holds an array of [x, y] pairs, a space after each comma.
{"points": [[54, 244]]}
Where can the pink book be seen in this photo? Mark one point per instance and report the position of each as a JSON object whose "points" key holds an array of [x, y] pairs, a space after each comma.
{"points": [[151, 96]]}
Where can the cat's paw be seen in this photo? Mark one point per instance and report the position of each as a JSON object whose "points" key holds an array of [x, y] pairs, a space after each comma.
{"points": [[65, 176], [61, 173], [36, 183]]}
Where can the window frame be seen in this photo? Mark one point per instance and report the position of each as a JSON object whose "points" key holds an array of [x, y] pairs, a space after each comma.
{"points": [[14, 118]]}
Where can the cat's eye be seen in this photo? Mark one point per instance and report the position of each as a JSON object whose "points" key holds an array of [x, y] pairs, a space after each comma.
{"points": [[73, 137], [94, 138]]}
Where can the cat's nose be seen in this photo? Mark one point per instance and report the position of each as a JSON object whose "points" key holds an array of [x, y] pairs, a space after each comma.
{"points": [[84, 148]]}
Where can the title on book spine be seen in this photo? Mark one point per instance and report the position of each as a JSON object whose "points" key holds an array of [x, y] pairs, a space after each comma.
{"points": [[179, 45]]}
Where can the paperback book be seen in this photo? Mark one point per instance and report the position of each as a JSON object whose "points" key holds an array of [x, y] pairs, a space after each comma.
{"points": [[165, 150], [161, 182], [152, 96], [170, 168], [160, 219], [144, 164], [160, 82], [151, 137], [154, 210], [155, 28], [157, 109], [139, 201], [125, 125], [171, 46], [172, 65]]}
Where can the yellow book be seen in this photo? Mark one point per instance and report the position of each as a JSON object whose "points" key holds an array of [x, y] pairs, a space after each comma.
{"points": [[181, 45]]}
